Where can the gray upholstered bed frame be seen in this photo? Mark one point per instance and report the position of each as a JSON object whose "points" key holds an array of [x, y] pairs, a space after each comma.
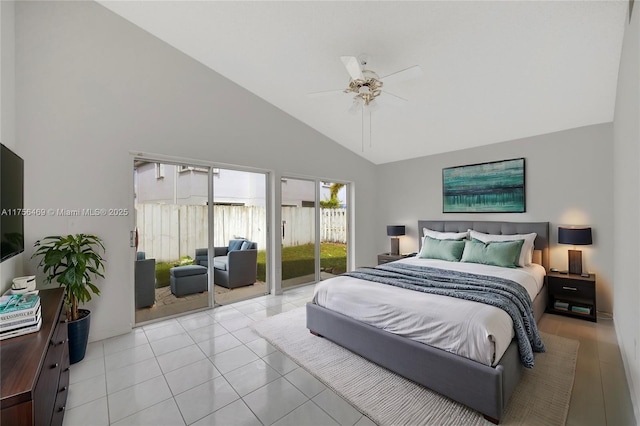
{"points": [[483, 388]]}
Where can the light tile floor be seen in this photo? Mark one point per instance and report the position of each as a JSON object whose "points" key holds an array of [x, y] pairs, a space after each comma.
{"points": [[205, 368], [210, 368], [600, 393]]}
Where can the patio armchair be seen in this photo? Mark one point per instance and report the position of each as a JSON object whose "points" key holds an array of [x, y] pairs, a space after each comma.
{"points": [[235, 265]]}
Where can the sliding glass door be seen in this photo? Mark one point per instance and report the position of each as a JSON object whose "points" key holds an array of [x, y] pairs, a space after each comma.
{"points": [[298, 232], [239, 214], [314, 230], [171, 214], [333, 228]]}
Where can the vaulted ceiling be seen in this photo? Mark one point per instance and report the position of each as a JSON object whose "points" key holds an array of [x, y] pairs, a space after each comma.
{"points": [[493, 71]]}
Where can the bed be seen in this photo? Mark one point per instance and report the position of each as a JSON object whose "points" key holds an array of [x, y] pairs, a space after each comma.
{"points": [[485, 388]]}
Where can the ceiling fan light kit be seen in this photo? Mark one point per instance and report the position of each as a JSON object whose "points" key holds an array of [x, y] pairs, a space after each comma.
{"points": [[367, 87]]}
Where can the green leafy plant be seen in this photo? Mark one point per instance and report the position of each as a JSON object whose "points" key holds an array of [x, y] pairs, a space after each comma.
{"points": [[72, 261], [333, 202], [185, 260]]}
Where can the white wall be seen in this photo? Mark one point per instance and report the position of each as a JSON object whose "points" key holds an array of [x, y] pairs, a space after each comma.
{"points": [[91, 87], [12, 267], [568, 179], [627, 205]]}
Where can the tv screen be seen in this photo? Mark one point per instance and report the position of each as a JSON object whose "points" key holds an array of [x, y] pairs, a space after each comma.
{"points": [[11, 203]]}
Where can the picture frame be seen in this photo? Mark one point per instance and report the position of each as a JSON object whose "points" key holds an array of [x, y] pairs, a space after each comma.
{"points": [[492, 187]]}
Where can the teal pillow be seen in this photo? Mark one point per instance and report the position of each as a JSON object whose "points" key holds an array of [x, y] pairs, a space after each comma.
{"points": [[517, 261], [497, 253], [433, 248], [235, 244]]}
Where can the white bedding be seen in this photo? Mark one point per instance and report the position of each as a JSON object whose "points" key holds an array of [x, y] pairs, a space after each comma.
{"points": [[470, 329]]}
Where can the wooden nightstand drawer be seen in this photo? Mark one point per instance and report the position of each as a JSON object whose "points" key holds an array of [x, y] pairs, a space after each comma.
{"points": [[572, 295], [571, 288]]}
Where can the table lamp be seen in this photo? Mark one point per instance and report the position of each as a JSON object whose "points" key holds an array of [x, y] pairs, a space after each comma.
{"points": [[394, 231], [576, 237]]}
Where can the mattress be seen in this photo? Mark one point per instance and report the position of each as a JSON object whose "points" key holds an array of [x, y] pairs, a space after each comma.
{"points": [[474, 330]]}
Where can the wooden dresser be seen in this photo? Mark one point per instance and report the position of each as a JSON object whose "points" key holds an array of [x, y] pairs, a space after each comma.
{"points": [[35, 369]]}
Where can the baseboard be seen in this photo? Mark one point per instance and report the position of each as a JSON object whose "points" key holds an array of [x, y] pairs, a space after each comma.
{"points": [[96, 335], [627, 371]]}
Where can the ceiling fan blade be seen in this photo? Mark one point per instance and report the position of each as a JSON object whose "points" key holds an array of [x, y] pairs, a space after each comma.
{"points": [[353, 67], [403, 75], [324, 93], [390, 99]]}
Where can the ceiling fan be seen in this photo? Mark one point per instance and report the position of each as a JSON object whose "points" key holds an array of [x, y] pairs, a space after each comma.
{"points": [[367, 87]]}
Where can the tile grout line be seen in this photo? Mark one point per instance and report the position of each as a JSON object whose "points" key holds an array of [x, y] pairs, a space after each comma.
{"points": [[185, 331], [106, 390]]}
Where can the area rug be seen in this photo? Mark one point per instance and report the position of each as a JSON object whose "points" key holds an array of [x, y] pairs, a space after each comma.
{"points": [[541, 398]]}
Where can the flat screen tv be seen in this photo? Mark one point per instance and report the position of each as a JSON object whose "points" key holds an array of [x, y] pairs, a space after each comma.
{"points": [[11, 203]]}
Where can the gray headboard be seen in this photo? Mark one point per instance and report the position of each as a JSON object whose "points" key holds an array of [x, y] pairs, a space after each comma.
{"points": [[504, 228]]}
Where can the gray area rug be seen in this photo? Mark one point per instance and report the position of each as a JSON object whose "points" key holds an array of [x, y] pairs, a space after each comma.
{"points": [[541, 398]]}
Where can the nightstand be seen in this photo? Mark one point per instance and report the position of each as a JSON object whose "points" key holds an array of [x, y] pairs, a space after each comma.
{"points": [[572, 295], [388, 257]]}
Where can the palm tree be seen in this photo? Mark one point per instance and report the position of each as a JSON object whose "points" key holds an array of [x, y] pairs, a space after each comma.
{"points": [[333, 202]]}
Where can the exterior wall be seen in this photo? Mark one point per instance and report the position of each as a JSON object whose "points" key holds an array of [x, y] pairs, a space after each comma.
{"points": [[230, 186]]}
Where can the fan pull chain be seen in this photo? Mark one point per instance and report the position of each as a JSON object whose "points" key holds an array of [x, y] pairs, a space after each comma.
{"points": [[362, 128], [370, 133]]}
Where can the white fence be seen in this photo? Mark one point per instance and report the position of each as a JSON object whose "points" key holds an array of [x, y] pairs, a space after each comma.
{"points": [[167, 232]]}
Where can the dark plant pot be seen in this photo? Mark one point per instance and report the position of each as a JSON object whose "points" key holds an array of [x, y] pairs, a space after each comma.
{"points": [[78, 336]]}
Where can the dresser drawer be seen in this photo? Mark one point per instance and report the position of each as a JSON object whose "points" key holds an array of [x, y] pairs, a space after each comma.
{"points": [[48, 382], [60, 335], [60, 404], [47, 386], [35, 368]]}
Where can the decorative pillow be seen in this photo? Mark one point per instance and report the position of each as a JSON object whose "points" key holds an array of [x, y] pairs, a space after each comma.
{"points": [[497, 253], [246, 245], [445, 235], [235, 244], [526, 253], [433, 248]]}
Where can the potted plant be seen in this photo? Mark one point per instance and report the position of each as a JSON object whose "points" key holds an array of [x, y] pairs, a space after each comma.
{"points": [[73, 261]]}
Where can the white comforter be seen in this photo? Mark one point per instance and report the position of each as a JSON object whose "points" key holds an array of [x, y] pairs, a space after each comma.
{"points": [[470, 329]]}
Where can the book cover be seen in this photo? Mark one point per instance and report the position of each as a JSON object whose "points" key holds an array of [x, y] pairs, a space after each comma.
{"points": [[19, 302], [581, 310], [561, 306], [20, 314], [22, 330], [20, 321]]}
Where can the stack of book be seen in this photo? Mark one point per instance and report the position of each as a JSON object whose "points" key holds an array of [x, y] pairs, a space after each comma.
{"points": [[561, 306], [19, 314], [581, 310]]}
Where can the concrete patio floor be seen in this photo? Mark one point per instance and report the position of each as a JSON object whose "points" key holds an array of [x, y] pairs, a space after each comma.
{"points": [[167, 304]]}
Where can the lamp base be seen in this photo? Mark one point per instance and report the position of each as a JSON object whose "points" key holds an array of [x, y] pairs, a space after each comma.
{"points": [[575, 262], [395, 246]]}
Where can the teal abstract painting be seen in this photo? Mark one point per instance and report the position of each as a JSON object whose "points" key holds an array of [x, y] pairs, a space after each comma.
{"points": [[496, 187]]}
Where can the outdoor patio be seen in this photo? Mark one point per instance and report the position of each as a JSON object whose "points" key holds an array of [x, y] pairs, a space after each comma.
{"points": [[167, 304]]}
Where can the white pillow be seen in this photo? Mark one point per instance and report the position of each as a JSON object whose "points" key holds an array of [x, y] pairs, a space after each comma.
{"points": [[526, 253], [445, 235]]}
